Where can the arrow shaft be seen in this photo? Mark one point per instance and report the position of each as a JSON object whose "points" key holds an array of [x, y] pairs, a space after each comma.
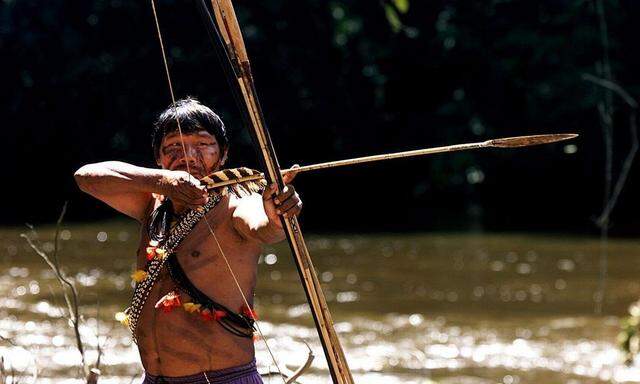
{"points": [[358, 160], [509, 142], [389, 156]]}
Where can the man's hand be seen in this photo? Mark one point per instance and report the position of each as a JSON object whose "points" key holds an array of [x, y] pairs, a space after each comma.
{"points": [[183, 189], [287, 203]]}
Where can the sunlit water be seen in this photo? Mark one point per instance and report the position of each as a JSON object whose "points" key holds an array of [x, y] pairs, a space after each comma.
{"points": [[452, 308]]}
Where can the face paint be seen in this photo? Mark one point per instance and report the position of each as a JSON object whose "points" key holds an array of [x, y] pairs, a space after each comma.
{"points": [[202, 150]]}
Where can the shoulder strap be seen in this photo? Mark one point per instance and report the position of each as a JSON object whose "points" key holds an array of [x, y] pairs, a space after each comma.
{"points": [[236, 323], [169, 245]]}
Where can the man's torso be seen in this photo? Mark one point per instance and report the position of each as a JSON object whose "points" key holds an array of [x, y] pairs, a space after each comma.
{"points": [[180, 343]]}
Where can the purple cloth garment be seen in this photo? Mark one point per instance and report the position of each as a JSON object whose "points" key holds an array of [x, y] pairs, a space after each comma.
{"points": [[243, 374]]}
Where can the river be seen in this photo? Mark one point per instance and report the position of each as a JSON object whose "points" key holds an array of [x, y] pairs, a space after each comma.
{"points": [[416, 308]]}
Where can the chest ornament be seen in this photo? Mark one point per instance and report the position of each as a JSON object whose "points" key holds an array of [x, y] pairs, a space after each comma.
{"points": [[239, 323], [170, 235]]}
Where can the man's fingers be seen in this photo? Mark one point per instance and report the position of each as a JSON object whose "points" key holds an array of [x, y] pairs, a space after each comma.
{"points": [[192, 179], [198, 188], [189, 186], [192, 194], [184, 177], [269, 191], [289, 176], [287, 193], [294, 210], [287, 204], [186, 190]]}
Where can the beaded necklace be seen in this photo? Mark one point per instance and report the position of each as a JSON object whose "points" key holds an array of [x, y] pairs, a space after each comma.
{"points": [[156, 257], [162, 249]]}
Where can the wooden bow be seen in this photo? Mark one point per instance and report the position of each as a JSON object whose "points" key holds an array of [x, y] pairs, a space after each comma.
{"points": [[229, 34]]}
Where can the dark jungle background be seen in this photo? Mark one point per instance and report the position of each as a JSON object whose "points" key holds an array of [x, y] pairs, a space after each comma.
{"points": [[82, 81]]}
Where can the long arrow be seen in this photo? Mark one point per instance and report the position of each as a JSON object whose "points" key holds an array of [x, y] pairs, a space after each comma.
{"points": [[507, 142]]}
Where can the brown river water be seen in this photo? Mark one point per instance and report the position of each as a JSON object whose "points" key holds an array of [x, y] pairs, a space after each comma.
{"points": [[442, 307]]}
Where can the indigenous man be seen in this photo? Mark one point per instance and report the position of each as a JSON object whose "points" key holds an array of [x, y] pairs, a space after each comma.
{"points": [[208, 337]]}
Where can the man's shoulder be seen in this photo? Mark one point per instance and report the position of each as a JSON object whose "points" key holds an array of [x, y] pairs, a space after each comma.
{"points": [[251, 200], [248, 214]]}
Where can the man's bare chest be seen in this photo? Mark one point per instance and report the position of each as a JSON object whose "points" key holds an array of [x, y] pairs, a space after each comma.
{"points": [[212, 259], [213, 255]]}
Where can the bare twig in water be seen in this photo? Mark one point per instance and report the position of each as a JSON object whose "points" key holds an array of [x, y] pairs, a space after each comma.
{"points": [[13, 374], [98, 346], [9, 341], [291, 377], [628, 337], [95, 372], [70, 295], [2, 373], [68, 288], [633, 133], [610, 85], [15, 378], [304, 367], [605, 111], [606, 114], [93, 376], [133, 379], [624, 172]]}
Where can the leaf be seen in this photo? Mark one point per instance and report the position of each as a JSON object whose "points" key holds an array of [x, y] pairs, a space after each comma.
{"points": [[393, 18], [401, 5]]}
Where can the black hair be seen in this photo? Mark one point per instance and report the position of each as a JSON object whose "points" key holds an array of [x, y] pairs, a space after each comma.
{"points": [[193, 117]]}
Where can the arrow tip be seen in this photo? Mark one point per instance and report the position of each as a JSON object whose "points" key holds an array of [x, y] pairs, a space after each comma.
{"points": [[525, 141]]}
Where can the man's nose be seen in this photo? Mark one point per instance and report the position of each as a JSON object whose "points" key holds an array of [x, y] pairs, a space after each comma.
{"points": [[190, 154]]}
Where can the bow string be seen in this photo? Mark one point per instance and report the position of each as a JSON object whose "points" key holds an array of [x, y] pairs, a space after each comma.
{"points": [[206, 220], [231, 50]]}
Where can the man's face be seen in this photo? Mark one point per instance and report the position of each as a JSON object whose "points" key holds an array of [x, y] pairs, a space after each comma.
{"points": [[203, 153]]}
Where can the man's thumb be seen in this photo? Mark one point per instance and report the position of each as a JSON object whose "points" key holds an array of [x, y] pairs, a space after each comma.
{"points": [[269, 191], [289, 176]]}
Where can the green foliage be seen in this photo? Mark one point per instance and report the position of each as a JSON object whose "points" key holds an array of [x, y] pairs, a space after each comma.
{"points": [[392, 12], [347, 25], [629, 336], [393, 18], [401, 5]]}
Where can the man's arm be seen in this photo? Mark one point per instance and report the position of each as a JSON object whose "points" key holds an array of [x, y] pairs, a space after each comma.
{"points": [[128, 188], [251, 221], [257, 217]]}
